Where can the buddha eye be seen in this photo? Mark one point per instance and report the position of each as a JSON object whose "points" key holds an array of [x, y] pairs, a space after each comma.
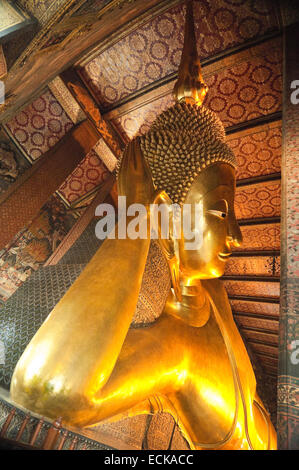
{"points": [[220, 214]]}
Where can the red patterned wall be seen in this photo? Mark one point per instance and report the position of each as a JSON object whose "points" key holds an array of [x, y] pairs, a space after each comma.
{"points": [[258, 152], [40, 125], [153, 51], [258, 200]]}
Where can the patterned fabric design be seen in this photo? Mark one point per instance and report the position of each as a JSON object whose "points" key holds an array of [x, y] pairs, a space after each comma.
{"points": [[26, 310], [258, 200], [154, 288], [256, 266], [84, 248], [33, 246], [128, 431], [260, 308], [252, 288], [12, 162], [260, 237], [154, 50], [90, 173], [40, 125], [257, 153]]}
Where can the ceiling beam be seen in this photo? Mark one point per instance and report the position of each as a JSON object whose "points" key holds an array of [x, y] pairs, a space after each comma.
{"points": [[241, 254], [258, 299], [260, 221], [252, 278], [256, 316], [87, 103], [258, 179]]}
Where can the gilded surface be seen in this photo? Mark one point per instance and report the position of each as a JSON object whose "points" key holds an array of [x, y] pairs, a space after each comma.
{"points": [[191, 361]]}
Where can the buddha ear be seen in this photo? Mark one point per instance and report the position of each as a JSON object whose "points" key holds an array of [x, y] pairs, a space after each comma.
{"points": [[169, 245]]}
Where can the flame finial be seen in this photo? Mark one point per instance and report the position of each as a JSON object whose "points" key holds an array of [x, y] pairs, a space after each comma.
{"points": [[190, 86]]}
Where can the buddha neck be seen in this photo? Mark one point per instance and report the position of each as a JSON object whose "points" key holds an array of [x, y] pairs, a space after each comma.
{"points": [[194, 308]]}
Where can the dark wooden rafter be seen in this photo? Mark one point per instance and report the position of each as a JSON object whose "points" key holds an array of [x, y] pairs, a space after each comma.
{"points": [[87, 103], [258, 179], [256, 253], [260, 221], [255, 346], [257, 299], [256, 315], [266, 119], [256, 329], [252, 278], [256, 341]]}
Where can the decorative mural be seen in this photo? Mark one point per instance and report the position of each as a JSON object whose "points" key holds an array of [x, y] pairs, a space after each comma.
{"points": [[153, 51], [33, 246], [39, 126], [12, 162]]}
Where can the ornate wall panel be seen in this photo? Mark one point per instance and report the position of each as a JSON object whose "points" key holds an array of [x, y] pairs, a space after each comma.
{"points": [[258, 152], [89, 174], [12, 162], [254, 266], [40, 125], [266, 349], [260, 237], [153, 51], [32, 246], [259, 323], [263, 337], [260, 308], [258, 200], [252, 288], [248, 89]]}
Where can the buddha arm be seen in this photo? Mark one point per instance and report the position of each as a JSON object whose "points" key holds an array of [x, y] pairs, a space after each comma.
{"points": [[73, 354], [74, 351]]}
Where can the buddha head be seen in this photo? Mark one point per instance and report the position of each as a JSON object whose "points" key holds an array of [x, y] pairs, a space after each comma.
{"points": [[190, 160]]}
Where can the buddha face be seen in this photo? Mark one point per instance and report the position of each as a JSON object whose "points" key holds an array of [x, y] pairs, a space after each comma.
{"points": [[214, 188]]}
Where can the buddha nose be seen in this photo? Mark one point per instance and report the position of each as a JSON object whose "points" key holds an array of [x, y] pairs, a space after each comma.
{"points": [[234, 236]]}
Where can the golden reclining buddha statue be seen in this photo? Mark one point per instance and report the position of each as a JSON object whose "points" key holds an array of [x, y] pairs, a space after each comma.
{"points": [[85, 364]]}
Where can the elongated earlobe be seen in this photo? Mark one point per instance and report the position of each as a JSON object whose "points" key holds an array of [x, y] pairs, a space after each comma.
{"points": [[175, 277], [169, 246]]}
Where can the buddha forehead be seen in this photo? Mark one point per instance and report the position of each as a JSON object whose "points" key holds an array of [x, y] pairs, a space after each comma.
{"points": [[218, 179]]}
